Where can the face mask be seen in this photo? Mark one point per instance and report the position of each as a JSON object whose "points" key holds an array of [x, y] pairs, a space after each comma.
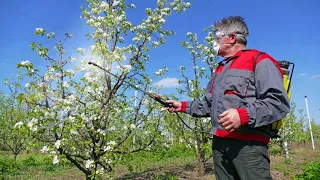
{"points": [[216, 47]]}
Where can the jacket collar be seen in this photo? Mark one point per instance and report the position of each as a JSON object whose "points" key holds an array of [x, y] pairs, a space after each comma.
{"points": [[237, 54]]}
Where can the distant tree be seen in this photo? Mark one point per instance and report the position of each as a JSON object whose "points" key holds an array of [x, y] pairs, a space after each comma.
{"points": [[13, 115], [302, 136], [315, 129]]}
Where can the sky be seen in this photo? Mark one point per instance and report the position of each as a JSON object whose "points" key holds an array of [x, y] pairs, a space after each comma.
{"points": [[286, 29]]}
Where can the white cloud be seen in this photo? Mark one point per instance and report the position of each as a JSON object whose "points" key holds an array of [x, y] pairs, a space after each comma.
{"points": [[168, 83], [316, 76], [303, 74]]}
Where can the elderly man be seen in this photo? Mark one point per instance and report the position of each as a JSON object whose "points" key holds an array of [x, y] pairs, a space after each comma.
{"points": [[245, 95]]}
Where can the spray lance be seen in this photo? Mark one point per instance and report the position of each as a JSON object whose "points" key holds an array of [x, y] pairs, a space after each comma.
{"points": [[153, 96]]}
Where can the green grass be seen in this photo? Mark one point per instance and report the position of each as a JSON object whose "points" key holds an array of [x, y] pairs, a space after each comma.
{"points": [[143, 161], [275, 150], [31, 166], [37, 166], [171, 164]]}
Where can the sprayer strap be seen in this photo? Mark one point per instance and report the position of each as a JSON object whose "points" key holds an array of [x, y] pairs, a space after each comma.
{"points": [[255, 60]]}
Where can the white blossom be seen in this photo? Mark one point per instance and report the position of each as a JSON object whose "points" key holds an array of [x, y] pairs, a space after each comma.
{"points": [[55, 160], [132, 6], [112, 143], [107, 148], [163, 133], [19, 124], [50, 35], [25, 63], [57, 143], [45, 149], [104, 5], [115, 3], [65, 84], [100, 171], [27, 85], [162, 21], [53, 152], [31, 124], [81, 50], [180, 140], [205, 120], [72, 119], [39, 30], [136, 39], [166, 145], [108, 161], [93, 47], [101, 131], [132, 126], [69, 71], [89, 164], [73, 132]]}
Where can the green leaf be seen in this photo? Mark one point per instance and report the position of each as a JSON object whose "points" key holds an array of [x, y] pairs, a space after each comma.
{"points": [[33, 45]]}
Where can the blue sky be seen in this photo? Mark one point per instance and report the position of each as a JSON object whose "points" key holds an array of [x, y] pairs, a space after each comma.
{"points": [[287, 30]]}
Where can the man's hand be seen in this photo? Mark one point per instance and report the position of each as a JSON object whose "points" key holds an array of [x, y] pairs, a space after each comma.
{"points": [[176, 105], [230, 120]]}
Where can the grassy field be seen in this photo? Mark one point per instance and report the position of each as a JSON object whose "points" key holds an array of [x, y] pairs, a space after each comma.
{"points": [[164, 165]]}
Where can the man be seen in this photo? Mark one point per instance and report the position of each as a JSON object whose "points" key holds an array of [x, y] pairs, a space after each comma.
{"points": [[243, 98]]}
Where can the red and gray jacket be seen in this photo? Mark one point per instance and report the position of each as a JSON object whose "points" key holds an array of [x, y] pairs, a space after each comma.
{"points": [[257, 94]]}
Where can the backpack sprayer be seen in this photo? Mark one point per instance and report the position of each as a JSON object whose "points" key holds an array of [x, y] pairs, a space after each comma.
{"points": [[275, 126], [153, 96], [284, 65]]}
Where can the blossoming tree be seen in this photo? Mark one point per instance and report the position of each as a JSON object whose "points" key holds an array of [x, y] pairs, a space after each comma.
{"points": [[84, 113], [192, 87]]}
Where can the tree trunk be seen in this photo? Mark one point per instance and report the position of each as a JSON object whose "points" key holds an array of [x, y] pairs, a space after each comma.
{"points": [[201, 160], [88, 176], [15, 156], [282, 148]]}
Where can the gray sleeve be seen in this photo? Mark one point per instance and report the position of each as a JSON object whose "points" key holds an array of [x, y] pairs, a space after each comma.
{"points": [[272, 102], [201, 108]]}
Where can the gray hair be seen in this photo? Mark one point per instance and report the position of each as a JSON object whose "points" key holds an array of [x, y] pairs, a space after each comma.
{"points": [[233, 25]]}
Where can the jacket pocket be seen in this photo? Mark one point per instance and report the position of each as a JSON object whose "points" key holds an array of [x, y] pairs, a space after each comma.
{"points": [[234, 92], [236, 85]]}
